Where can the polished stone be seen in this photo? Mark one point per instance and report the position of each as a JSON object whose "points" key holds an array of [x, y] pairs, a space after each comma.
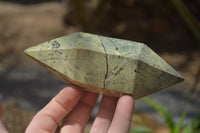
{"points": [[105, 65]]}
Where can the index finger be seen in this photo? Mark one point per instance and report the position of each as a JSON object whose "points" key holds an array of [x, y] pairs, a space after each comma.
{"points": [[47, 120]]}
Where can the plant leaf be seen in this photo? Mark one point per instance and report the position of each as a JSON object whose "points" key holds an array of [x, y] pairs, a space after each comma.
{"points": [[161, 110], [178, 126], [140, 129], [193, 127]]}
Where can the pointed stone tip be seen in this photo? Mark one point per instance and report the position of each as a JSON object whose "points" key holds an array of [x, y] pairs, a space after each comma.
{"points": [[29, 50], [180, 79], [26, 51]]}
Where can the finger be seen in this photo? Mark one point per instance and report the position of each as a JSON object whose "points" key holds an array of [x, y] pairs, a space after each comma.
{"points": [[0, 110], [104, 115], [75, 122], [47, 120], [123, 115], [2, 127]]}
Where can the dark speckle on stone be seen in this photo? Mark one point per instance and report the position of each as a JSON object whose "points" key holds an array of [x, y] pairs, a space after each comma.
{"points": [[49, 41], [115, 67], [118, 56], [76, 67], [85, 78], [120, 69], [60, 52], [55, 45], [117, 48], [50, 54], [79, 35], [135, 70]]}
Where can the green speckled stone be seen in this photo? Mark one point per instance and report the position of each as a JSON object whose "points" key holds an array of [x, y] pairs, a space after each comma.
{"points": [[105, 65]]}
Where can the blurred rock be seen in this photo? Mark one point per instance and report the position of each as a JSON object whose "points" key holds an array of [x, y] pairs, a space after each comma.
{"points": [[15, 118]]}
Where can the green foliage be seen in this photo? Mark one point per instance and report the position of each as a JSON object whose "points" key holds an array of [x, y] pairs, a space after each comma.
{"points": [[161, 110], [139, 129], [193, 127], [166, 115], [60, 124], [178, 126]]}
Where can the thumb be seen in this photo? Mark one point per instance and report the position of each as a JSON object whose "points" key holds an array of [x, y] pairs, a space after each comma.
{"points": [[2, 127]]}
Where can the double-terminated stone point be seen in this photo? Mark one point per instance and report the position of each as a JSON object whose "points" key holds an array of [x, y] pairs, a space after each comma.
{"points": [[105, 65]]}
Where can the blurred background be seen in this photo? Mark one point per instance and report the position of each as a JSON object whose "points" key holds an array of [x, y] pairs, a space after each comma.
{"points": [[170, 27]]}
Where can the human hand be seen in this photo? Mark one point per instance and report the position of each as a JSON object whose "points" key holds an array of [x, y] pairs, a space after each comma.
{"points": [[74, 108], [2, 127]]}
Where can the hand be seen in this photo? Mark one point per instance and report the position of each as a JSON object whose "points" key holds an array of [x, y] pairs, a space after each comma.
{"points": [[2, 127], [74, 108]]}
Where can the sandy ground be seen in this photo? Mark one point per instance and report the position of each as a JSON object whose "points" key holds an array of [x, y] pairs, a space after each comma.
{"points": [[24, 81]]}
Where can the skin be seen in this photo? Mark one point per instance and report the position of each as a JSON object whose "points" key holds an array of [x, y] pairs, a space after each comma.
{"points": [[74, 107], [2, 127]]}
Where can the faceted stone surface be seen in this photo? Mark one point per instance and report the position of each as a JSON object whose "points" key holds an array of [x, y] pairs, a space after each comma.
{"points": [[105, 65]]}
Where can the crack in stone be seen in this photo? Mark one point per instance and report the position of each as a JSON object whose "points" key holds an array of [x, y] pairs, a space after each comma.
{"points": [[106, 75]]}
